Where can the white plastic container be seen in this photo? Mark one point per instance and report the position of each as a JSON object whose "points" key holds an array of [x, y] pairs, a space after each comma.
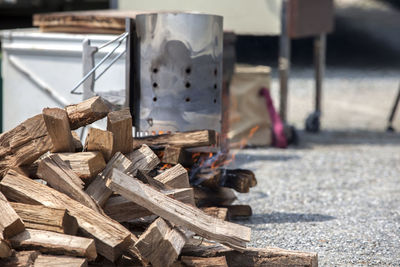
{"points": [[55, 60]]}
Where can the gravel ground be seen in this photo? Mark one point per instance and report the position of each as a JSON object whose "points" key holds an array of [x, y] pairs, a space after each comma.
{"points": [[337, 194]]}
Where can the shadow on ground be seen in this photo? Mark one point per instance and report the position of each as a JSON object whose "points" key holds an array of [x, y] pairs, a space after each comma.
{"points": [[283, 217], [346, 137]]}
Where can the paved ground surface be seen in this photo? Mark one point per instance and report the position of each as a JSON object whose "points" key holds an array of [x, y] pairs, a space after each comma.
{"points": [[337, 194]]}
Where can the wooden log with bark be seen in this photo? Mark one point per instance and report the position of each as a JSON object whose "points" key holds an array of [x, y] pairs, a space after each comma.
{"points": [[10, 223], [59, 261], [175, 177], [55, 243], [28, 141], [57, 125], [220, 213], [86, 112], [56, 173], [251, 257], [179, 213], [84, 164], [100, 140], [204, 262], [161, 243], [238, 179], [181, 139], [120, 124], [44, 218], [111, 238], [123, 210]]}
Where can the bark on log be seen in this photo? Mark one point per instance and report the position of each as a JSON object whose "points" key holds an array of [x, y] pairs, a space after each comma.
{"points": [[44, 218], [179, 213], [111, 238]]}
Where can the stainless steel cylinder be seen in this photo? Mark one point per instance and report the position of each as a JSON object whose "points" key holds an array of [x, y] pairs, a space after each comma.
{"points": [[178, 72]]}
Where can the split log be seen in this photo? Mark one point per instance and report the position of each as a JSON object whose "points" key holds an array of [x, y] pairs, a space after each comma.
{"points": [[98, 189], [28, 141], [123, 210], [54, 243], [86, 112], [179, 213], [204, 262], [43, 218], [143, 159], [220, 213], [10, 223], [120, 124], [77, 142], [181, 139], [237, 179], [5, 250], [57, 125], [177, 155], [239, 211], [111, 238], [161, 243], [59, 261], [20, 259], [57, 174], [175, 177], [206, 197], [84, 164], [99, 140], [251, 257]]}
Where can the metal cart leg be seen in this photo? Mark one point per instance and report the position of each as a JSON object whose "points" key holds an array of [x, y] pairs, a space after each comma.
{"points": [[393, 112], [313, 120], [284, 63]]}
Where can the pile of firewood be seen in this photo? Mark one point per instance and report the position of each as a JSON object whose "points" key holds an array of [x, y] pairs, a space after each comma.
{"points": [[119, 200]]}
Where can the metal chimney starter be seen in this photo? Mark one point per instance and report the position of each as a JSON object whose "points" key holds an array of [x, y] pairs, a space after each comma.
{"points": [[178, 72]]}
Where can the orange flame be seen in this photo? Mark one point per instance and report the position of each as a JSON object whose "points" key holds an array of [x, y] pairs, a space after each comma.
{"points": [[165, 166]]}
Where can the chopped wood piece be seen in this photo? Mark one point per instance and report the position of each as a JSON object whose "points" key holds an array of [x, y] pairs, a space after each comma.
{"points": [[86, 112], [20, 259], [59, 261], [175, 177], [251, 257], [28, 141], [77, 142], [238, 179], [123, 210], [84, 164], [220, 213], [5, 250], [98, 189], [213, 196], [161, 243], [10, 223], [143, 159], [61, 177], [43, 218], [179, 213], [175, 155], [235, 211], [111, 237], [204, 262], [24, 144], [182, 139], [99, 140], [54, 243], [120, 124], [57, 125]]}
